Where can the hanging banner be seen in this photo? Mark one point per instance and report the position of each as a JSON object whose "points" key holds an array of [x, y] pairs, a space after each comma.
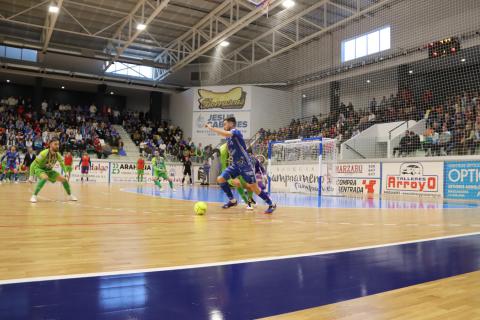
{"points": [[222, 98]]}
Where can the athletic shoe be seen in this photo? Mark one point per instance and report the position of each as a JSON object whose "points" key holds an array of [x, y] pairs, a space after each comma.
{"points": [[249, 205], [230, 204], [253, 202], [271, 209], [72, 198], [33, 199]]}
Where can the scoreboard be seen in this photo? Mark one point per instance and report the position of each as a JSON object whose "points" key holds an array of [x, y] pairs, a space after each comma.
{"points": [[443, 47]]}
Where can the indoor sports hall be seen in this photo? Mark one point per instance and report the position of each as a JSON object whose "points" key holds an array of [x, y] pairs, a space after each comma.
{"points": [[239, 159]]}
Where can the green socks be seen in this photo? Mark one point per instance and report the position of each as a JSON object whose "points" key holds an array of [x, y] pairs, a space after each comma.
{"points": [[171, 184], [241, 192], [66, 186], [158, 184], [39, 186]]}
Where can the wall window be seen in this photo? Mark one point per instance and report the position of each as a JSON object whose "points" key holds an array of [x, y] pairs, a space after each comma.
{"points": [[366, 44], [18, 53], [131, 70]]}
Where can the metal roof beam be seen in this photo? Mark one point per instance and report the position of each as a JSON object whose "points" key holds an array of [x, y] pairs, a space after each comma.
{"points": [[50, 22], [223, 22], [258, 56], [159, 6]]}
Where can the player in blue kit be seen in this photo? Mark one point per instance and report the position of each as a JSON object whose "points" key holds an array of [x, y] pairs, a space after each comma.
{"points": [[242, 164], [13, 158]]}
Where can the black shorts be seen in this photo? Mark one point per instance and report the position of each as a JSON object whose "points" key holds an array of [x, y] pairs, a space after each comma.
{"points": [[187, 171]]}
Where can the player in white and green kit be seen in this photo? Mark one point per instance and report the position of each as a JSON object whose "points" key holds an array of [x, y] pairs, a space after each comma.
{"points": [[42, 168], [160, 171]]}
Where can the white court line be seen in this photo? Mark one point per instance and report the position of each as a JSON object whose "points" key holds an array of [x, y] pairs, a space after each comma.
{"points": [[223, 263]]}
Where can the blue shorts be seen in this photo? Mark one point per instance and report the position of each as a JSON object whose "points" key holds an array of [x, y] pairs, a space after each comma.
{"points": [[234, 171]]}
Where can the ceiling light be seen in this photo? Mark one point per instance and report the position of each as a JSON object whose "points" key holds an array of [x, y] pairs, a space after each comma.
{"points": [[141, 26], [111, 92], [53, 9], [63, 87], [411, 71], [224, 43], [463, 60], [288, 4], [8, 81], [304, 95], [368, 81]]}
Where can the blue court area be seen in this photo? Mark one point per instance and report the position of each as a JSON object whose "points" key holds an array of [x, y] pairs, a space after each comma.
{"points": [[213, 194], [242, 290]]}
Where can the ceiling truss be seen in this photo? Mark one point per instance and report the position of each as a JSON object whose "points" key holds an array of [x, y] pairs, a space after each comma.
{"points": [[291, 33]]}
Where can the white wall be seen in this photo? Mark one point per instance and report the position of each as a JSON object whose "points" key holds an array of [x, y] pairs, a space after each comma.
{"points": [[181, 111], [272, 109], [359, 92], [316, 101]]}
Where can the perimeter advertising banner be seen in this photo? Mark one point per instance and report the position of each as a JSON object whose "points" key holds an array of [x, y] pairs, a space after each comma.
{"points": [[462, 180], [338, 179], [357, 179], [127, 172], [99, 171], [294, 178], [413, 178]]}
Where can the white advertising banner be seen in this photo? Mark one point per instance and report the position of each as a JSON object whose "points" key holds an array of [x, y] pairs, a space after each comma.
{"points": [[413, 178], [337, 179], [99, 171], [351, 179], [294, 178], [127, 172], [222, 98]]}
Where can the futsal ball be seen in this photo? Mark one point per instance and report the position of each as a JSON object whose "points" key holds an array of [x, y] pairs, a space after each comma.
{"points": [[200, 208]]}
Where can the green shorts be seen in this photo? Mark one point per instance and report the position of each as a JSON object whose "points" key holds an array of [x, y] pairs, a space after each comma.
{"points": [[140, 171], [52, 174], [160, 174], [68, 169]]}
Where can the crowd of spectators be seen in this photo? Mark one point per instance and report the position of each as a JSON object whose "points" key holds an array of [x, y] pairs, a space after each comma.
{"points": [[79, 128], [451, 127], [168, 139]]}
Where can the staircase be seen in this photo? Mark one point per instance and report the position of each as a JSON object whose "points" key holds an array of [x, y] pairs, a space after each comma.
{"points": [[128, 145]]}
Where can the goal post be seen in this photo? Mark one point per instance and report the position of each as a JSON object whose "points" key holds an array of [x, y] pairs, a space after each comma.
{"points": [[302, 166]]}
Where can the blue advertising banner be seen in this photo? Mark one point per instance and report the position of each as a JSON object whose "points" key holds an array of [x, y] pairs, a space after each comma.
{"points": [[462, 180]]}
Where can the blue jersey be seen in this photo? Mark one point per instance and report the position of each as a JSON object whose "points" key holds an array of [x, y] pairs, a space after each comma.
{"points": [[12, 159], [238, 149], [259, 169]]}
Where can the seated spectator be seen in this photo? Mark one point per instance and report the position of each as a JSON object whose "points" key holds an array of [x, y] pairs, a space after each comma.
{"points": [[403, 147], [431, 141], [444, 141]]}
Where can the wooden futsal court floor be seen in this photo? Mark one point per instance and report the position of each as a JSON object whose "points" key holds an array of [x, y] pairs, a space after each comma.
{"points": [[109, 230]]}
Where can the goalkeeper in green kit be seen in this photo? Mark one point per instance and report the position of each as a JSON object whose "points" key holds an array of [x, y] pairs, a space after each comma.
{"points": [[42, 168], [160, 171]]}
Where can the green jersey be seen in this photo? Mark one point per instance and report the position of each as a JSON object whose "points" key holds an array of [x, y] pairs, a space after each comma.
{"points": [[158, 164], [46, 160]]}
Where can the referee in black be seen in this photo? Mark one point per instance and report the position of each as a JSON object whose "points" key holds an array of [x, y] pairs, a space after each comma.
{"points": [[187, 169], [28, 160]]}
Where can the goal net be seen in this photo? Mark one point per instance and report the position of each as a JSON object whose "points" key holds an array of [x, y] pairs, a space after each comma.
{"points": [[302, 166]]}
